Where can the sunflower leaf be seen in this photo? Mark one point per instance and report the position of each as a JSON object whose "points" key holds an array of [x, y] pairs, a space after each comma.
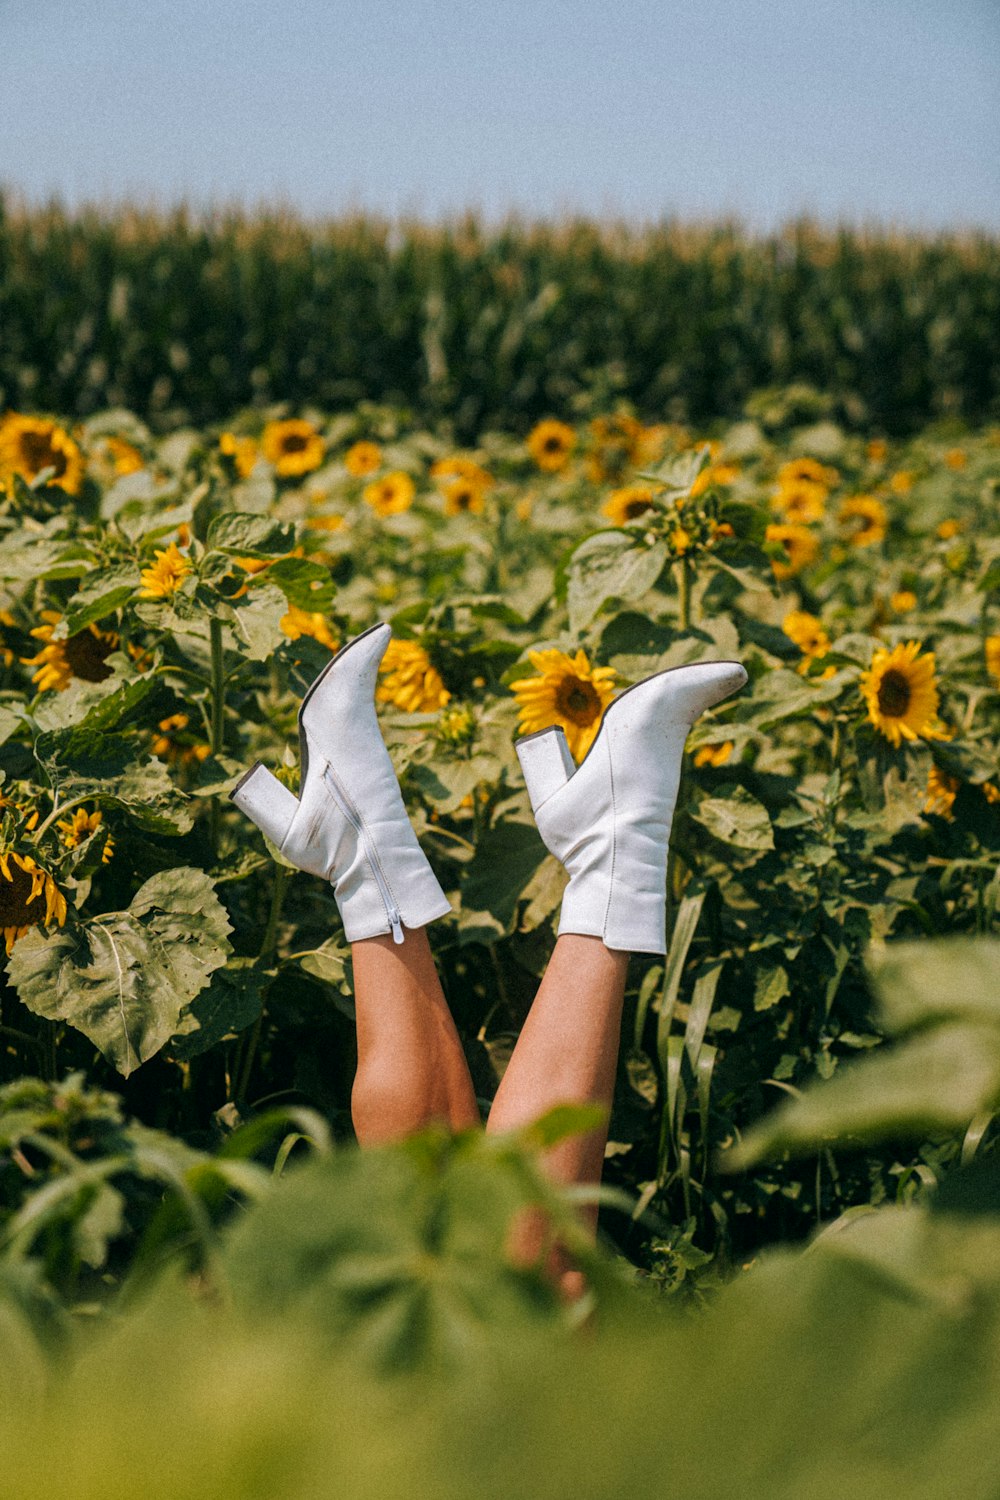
{"points": [[102, 593], [307, 584], [124, 978], [231, 1002], [609, 565], [252, 536]]}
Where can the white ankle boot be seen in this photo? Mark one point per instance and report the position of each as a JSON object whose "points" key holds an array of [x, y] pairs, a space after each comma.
{"points": [[608, 820], [349, 824]]}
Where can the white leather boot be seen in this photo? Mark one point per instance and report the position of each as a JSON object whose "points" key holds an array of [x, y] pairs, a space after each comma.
{"points": [[349, 824], [608, 820]]}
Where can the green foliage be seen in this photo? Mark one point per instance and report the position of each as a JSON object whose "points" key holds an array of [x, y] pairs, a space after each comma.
{"points": [[180, 318], [201, 978]]}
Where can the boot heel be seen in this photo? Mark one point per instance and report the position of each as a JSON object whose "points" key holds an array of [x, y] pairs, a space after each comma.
{"points": [[546, 763], [264, 800]]}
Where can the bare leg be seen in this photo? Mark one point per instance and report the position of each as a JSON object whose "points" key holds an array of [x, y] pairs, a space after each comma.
{"points": [[567, 1053], [411, 1067]]}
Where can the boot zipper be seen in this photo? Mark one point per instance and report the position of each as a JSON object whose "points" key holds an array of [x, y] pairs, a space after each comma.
{"points": [[354, 818]]}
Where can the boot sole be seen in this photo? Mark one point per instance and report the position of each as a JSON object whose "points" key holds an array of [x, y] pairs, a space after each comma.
{"points": [[724, 662]]}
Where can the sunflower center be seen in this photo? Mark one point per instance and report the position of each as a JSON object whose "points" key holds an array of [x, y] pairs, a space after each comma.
{"points": [[577, 701], [553, 444], [636, 508], [39, 454], [893, 694], [17, 906], [85, 654], [293, 442]]}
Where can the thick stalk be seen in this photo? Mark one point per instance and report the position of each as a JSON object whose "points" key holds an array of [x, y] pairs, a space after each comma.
{"points": [[248, 1051], [684, 594], [217, 722]]}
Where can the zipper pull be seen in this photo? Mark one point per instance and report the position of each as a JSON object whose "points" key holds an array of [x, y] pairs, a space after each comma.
{"points": [[396, 924]]}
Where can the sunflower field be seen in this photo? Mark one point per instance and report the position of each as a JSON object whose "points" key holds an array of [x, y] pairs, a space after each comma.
{"points": [[816, 1060]]}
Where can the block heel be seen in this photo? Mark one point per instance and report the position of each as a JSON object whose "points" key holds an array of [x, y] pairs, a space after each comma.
{"points": [[546, 763], [266, 802]]}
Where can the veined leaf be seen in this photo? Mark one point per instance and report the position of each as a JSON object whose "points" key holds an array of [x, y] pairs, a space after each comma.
{"points": [[737, 819], [103, 591], [610, 565], [953, 978], [255, 536], [230, 1002], [123, 978]]}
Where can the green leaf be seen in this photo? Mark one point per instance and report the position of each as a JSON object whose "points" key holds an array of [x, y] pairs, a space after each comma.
{"points": [[737, 819], [505, 860], [249, 535], [304, 583], [785, 695], [255, 621], [123, 978], [231, 1001], [920, 983], [96, 705], [933, 1081], [770, 986], [446, 782], [100, 595], [610, 565]]}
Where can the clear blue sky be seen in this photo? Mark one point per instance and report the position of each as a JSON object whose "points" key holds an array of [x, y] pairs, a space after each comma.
{"points": [[865, 110]]}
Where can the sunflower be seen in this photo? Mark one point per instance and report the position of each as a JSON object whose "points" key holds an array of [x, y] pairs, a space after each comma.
{"points": [[7, 622], [992, 651], [566, 691], [392, 494], [456, 724], [411, 683], [680, 541], [113, 457], [801, 502], [877, 450], [363, 458], [550, 444], [293, 446], [713, 475], [459, 467], [463, 496], [799, 544], [172, 744], [242, 450], [617, 443], [81, 655], [30, 444], [807, 632], [900, 690], [163, 575], [902, 601], [628, 503], [330, 521], [901, 483], [29, 897], [947, 529], [807, 471], [714, 755], [78, 828], [942, 790], [864, 518], [298, 622], [955, 458]]}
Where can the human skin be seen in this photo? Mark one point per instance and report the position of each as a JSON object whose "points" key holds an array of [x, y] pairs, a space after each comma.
{"points": [[412, 1070]]}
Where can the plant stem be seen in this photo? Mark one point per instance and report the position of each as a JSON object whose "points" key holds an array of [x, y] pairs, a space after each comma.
{"points": [[246, 1054], [218, 685], [217, 723], [684, 594]]}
